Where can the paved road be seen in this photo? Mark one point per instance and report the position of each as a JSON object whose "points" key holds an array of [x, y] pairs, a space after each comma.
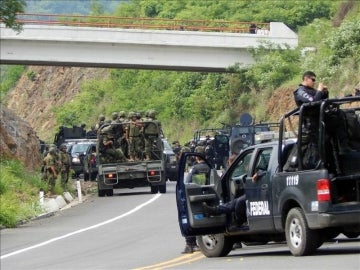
{"points": [[138, 230]]}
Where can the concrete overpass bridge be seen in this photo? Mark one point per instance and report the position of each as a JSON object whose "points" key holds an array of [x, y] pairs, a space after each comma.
{"points": [[173, 45]]}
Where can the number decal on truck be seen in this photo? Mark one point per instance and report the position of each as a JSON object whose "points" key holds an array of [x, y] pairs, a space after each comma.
{"points": [[292, 180]]}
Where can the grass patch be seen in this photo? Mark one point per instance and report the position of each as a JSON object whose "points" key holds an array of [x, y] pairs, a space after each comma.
{"points": [[19, 192]]}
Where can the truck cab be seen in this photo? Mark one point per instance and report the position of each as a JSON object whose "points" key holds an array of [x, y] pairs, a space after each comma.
{"points": [[301, 205]]}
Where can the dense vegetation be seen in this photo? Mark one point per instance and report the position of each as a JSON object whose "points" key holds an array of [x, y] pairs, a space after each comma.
{"points": [[186, 101]]}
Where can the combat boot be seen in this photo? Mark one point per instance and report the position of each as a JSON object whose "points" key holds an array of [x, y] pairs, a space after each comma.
{"points": [[148, 158], [131, 158], [210, 210]]}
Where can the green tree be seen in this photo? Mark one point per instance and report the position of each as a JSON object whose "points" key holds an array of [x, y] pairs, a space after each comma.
{"points": [[8, 11]]}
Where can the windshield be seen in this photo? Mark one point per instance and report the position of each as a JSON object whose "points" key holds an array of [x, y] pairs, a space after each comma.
{"points": [[167, 145], [79, 148]]}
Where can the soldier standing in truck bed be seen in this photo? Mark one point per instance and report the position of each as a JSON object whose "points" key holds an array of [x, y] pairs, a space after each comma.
{"points": [[151, 132], [133, 133]]}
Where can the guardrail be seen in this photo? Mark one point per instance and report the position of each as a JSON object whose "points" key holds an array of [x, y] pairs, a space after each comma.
{"points": [[144, 23]]}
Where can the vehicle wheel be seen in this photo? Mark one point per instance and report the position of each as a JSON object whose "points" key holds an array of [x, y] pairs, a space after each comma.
{"points": [[101, 193], [351, 234], [154, 189], [300, 239], [215, 245], [110, 192], [162, 188]]}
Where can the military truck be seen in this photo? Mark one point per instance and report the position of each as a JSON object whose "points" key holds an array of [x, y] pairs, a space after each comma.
{"points": [[247, 133], [68, 133], [119, 173], [288, 198]]}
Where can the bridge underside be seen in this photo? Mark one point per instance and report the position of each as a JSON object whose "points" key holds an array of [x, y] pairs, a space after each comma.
{"points": [[137, 49], [131, 56]]}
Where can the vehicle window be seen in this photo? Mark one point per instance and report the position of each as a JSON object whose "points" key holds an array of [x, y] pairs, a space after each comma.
{"points": [[262, 160], [167, 146], [79, 148], [242, 166]]}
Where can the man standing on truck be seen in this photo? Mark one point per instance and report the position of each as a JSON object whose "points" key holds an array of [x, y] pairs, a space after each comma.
{"points": [[133, 136], [151, 132], [335, 124]]}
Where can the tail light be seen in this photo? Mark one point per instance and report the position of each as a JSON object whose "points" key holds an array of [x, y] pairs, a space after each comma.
{"points": [[323, 190], [152, 173], [110, 175]]}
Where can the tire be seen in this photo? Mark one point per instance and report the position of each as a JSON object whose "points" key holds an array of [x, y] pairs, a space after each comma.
{"points": [[300, 239], [101, 193], [154, 189], [162, 188], [110, 192], [215, 245]]}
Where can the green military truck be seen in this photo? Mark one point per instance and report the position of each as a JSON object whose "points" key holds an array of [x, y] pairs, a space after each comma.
{"points": [[118, 172], [296, 192]]}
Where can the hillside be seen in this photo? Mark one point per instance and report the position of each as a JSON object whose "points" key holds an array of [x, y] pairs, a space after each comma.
{"points": [[42, 89]]}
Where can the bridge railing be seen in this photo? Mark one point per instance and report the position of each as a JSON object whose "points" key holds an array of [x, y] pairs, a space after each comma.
{"points": [[144, 23]]}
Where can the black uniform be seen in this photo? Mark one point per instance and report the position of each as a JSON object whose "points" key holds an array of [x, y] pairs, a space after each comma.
{"points": [[199, 168], [304, 94]]}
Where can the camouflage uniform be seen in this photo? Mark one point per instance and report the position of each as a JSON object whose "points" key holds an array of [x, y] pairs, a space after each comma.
{"points": [[101, 122], [65, 166], [134, 136], [107, 147], [151, 133], [51, 168]]}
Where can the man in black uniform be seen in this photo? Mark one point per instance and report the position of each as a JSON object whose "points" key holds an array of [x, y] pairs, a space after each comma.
{"points": [[199, 173], [334, 119]]}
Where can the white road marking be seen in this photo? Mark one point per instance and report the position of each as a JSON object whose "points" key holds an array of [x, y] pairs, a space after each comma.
{"points": [[82, 230]]}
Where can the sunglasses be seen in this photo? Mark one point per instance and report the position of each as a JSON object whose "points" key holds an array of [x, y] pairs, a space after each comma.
{"points": [[313, 79]]}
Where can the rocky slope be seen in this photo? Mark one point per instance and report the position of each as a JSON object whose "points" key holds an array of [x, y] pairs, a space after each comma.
{"points": [[41, 89], [18, 140]]}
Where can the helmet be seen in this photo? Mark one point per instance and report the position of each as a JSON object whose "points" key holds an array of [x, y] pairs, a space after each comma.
{"points": [[63, 147], [132, 114], [83, 125], [52, 150], [101, 117], [114, 116], [152, 113], [122, 114]]}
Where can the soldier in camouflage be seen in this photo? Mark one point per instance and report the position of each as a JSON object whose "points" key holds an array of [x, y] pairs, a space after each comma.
{"points": [[100, 122], [51, 168], [109, 153], [65, 166], [151, 133], [133, 136]]}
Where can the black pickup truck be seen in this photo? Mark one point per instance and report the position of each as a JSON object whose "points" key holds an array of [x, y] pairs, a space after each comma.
{"points": [[301, 205]]}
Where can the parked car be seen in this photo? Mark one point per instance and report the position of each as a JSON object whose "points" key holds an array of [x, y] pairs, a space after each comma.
{"points": [[170, 162]]}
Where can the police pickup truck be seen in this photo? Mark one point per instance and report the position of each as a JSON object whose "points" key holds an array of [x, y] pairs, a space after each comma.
{"points": [[303, 203], [116, 173]]}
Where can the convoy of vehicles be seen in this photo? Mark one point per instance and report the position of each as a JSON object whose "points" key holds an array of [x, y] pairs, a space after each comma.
{"points": [[302, 206]]}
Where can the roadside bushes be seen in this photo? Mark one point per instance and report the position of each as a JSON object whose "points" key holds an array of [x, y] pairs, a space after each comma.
{"points": [[19, 193]]}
